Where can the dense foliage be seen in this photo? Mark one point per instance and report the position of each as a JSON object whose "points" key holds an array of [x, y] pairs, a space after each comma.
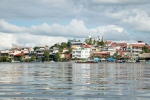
{"points": [[4, 59]]}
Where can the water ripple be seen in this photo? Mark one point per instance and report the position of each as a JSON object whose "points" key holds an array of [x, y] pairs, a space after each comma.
{"points": [[64, 81]]}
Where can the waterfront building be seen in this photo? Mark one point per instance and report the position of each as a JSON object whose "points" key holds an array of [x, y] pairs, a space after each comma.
{"points": [[64, 54], [101, 54], [54, 50], [134, 49], [40, 52], [145, 56], [82, 52], [114, 47]]}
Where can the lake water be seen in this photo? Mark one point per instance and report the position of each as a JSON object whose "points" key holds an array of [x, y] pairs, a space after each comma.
{"points": [[72, 81]]}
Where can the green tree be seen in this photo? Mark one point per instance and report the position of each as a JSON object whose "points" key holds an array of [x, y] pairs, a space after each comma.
{"points": [[56, 45], [68, 44], [15, 58], [7, 59], [46, 55], [101, 43], [60, 49], [51, 47], [86, 41], [20, 58], [145, 49], [3, 59], [70, 50], [94, 42], [90, 41], [56, 57], [32, 58], [36, 47], [64, 45], [116, 56]]}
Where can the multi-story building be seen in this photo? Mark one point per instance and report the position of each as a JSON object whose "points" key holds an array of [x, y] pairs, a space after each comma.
{"points": [[134, 49], [82, 52], [54, 50], [40, 52], [114, 47]]}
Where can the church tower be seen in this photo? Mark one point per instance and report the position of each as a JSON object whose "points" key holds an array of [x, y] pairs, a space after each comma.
{"points": [[100, 38]]}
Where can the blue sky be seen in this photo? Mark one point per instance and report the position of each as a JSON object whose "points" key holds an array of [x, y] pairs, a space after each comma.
{"points": [[45, 22]]}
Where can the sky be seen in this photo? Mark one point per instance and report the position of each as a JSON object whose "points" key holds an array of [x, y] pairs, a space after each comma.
{"points": [[46, 22]]}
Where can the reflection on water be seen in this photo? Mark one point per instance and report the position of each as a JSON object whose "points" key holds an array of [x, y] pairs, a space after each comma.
{"points": [[72, 81]]}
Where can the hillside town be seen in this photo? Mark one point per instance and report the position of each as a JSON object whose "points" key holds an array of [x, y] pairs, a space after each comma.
{"points": [[77, 50]]}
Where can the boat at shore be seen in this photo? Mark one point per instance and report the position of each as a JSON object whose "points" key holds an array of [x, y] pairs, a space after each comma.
{"points": [[131, 61], [86, 62], [15, 61], [147, 62]]}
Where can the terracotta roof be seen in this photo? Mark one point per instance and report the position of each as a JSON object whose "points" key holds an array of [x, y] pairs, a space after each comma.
{"points": [[122, 44], [138, 45], [108, 42], [118, 44], [101, 53], [85, 46], [113, 44], [20, 54]]}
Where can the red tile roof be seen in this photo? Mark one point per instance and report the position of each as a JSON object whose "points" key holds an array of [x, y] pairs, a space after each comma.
{"points": [[138, 45], [101, 53], [113, 44], [20, 54], [85, 46], [118, 44], [122, 44], [108, 42]]}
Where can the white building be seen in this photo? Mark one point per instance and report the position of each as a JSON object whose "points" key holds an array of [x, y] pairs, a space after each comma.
{"points": [[82, 52], [100, 38], [134, 49]]}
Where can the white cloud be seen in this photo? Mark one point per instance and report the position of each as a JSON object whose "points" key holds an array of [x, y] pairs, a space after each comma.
{"points": [[6, 27], [33, 9], [139, 22], [6, 40], [46, 34], [36, 40], [75, 28], [113, 32], [121, 1], [29, 40], [117, 15]]}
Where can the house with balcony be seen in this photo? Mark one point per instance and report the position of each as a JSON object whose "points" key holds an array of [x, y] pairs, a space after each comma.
{"points": [[114, 47], [5, 53], [82, 52], [134, 49], [64, 54], [40, 53], [54, 50], [145, 56], [16, 53]]}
